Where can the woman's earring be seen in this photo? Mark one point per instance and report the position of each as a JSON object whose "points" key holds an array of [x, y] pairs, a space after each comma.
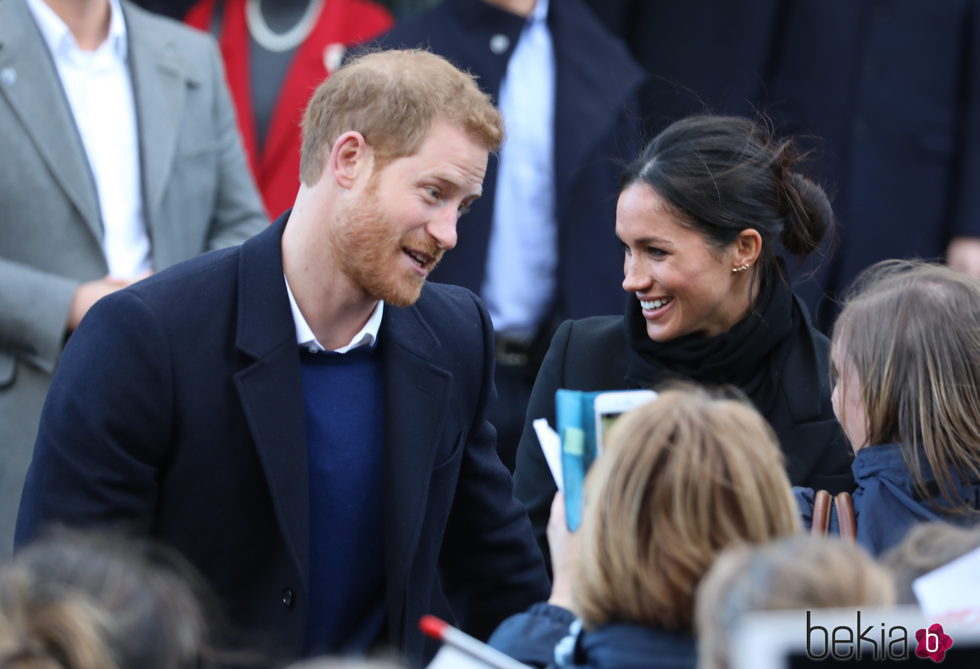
{"points": [[740, 268]]}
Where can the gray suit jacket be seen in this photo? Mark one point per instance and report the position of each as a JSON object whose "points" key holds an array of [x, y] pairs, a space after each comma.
{"points": [[198, 195]]}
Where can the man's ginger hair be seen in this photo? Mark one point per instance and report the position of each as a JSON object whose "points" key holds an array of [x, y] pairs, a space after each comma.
{"points": [[392, 98]]}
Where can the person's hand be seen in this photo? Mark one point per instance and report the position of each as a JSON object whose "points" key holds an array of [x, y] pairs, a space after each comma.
{"points": [[91, 292], [564, 554], [963, 254]]}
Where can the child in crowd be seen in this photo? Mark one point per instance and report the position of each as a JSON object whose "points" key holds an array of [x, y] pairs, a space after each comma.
{"points": [[906, 357], [680, 479], [927, 547], [799, 572], [95, 601]]}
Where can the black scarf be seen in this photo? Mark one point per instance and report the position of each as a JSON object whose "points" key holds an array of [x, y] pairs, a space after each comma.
{"points": [[743, 356]]}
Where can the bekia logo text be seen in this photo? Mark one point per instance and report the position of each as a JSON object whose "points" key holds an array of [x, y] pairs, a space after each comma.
{"points": [[875, 641]]}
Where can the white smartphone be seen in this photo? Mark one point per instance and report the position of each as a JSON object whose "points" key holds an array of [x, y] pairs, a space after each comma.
{"points": [[608, 407]]}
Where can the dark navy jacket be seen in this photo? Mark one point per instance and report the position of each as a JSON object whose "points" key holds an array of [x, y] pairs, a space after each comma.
{"points": [[885, 504], [549, 636], [177, 409], [595, 136], [890, 92]]}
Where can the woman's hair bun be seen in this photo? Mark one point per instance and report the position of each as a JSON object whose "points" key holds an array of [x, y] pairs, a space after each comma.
{"points": [[809, 215]]}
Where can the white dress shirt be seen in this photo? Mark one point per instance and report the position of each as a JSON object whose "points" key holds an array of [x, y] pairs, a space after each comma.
{"points": [[307, 339], [100, 92], [523, 255]]}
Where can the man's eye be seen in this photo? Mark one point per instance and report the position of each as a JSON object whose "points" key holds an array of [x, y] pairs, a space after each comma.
{"points": [[463, 208], [433, 192]]}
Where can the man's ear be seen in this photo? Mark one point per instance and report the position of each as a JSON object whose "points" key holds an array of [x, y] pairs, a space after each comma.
{"points": [[350, 157], [747, 247]]}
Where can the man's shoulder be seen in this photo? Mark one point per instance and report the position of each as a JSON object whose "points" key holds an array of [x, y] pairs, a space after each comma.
{"points": [[188, 43], [198, 279], [438, 297]]}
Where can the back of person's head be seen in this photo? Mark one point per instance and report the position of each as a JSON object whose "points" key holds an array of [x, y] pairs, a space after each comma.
{"points": [[392, 98], [726, 174], [911, 333], [681, 478], [926, 547], [794, 573], [74, 600]]}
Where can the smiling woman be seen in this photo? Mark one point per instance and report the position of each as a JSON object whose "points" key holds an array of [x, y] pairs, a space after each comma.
{"points": [[702, 216]]}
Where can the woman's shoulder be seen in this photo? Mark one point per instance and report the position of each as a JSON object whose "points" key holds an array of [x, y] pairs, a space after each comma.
{"points": [[594, 329]]}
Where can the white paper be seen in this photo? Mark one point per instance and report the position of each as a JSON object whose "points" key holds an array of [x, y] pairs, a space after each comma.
{"points": [[954, 588], [551, 446], [450, 658]]}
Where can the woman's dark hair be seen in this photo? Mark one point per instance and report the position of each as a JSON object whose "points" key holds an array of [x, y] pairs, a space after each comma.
{"points": [[75, 600], [725, 174]]}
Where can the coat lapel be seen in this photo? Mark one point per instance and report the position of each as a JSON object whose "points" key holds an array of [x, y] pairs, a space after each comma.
{"points": [[417, 394], [271, 388], [160, 82], [30, 83]]}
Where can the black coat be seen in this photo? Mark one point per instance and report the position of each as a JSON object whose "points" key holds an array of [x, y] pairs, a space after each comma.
{"points": [[177, 409], [591, 354]]}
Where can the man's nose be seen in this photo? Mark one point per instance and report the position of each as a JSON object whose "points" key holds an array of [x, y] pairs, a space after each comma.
{"points": [[443, 229]]}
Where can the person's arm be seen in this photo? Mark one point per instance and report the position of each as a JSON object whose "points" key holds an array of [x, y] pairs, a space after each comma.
{"points": [[804, 500], [106, 423], [238, 212], [531, 637], [533, 483], [34, 307], [38, 308], [490, 564]]}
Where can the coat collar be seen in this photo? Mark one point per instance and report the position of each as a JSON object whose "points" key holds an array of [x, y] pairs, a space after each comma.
{"points": [[417, 396], [30, 83], [161, 79]]}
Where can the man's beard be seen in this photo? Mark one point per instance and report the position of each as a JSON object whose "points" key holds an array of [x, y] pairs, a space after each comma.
{"points": [[370, 253]]}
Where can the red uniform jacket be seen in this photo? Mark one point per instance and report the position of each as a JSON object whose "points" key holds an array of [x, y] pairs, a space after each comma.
{"points": [[341, 23]]}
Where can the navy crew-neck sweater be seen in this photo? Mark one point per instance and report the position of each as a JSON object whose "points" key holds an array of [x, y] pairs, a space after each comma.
{"points": [[344, 401]]}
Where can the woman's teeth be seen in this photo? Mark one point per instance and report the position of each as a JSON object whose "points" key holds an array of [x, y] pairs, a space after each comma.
{"points": [[650, 305]]}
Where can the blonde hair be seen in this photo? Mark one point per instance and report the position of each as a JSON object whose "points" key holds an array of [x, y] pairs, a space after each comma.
{"points": [[911, 330], [682, 477], [799, 572], [76, 600], [392, 98]]}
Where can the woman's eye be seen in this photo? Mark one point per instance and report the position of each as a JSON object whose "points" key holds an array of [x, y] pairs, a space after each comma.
{"points": [[654, 252]]}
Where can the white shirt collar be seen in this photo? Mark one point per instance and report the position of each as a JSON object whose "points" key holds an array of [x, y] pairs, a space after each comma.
{"points": [[304, 333], [60, 39], [540, 11]]}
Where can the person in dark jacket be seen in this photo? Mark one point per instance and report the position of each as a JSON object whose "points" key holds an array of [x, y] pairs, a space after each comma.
{"points": [[700, 216], [680, 479], [906, 354]]}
